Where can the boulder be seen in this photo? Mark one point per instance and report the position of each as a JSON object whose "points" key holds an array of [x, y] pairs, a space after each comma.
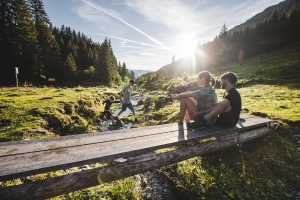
{"points": [[159, 104], [140, 102]]}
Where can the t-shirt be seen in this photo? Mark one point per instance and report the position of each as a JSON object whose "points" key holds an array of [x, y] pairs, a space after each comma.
{"points": [[107, 104], [127, 90], [235, 102], [206, 97]]}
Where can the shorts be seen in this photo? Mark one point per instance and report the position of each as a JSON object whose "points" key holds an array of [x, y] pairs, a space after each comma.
{"points": [[108, 113], [127, 105], [226, 119]]}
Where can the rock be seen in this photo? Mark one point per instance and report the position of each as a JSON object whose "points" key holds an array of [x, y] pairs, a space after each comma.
{"points": [[5, 106], [158, 104], [168, 99], [146, 117], [259, 114], [147, 102], [84, 167], [41, 131], [5, 122], [140, 102]]}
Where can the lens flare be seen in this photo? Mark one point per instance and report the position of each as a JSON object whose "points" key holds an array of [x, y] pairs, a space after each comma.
{"points": [[215, 47], [241, 55]]}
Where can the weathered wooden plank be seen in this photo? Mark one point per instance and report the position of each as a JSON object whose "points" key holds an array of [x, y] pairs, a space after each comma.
{"points": [[19, 147], [38, 162], [76, 181]]}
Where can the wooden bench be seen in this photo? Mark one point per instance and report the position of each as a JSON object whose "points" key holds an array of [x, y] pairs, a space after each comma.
{"points": [[30, 157]]}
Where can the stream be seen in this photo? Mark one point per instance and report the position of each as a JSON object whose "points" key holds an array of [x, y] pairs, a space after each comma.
{"points": [[154, 185]]}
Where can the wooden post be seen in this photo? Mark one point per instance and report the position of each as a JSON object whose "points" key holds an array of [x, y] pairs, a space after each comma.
{"points": [[17, 72], [71, 182]]}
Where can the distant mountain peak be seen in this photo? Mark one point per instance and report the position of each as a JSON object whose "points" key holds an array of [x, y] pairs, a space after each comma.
{"points": [[139, 72]]}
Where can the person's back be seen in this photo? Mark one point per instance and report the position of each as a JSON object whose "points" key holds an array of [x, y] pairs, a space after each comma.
{"points": [[206, 97], [127, 90], [235, 102], [125, 95]]}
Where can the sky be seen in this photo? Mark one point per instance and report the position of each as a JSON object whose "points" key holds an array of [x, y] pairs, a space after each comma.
{"points": [[146, 34]]}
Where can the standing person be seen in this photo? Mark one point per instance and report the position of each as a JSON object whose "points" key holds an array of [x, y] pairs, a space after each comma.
{"points": [[108, 103], [125, 99], [227, 110], [206, 98]]}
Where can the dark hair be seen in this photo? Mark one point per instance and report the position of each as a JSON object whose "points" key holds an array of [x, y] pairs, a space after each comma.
{"points": [[112, 97], [131, 81], [208, 78], [232, 78]]}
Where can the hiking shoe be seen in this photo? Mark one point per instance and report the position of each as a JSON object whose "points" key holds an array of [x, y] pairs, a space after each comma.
{"points": [[136, 120], [197, 124]]}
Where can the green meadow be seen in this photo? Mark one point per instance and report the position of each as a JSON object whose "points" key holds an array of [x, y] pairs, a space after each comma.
{"points": [[265, 168]]}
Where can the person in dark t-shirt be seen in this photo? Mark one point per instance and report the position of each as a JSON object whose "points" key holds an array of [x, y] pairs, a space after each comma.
{"points": [[108, 103], [228, 109]]}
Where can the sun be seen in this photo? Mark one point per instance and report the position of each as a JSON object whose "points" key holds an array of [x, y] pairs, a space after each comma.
{"points": [[185, 46]]}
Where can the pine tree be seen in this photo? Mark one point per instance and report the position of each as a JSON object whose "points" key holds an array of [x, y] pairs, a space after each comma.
{"points": [[274, 17], [224, 31], [17, 41], [26, 37], [70, 68], [48, 59], [123, 71]]}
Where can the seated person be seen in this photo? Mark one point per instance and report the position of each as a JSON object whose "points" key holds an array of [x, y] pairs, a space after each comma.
{"points": [[227, 110], [205, 97]]}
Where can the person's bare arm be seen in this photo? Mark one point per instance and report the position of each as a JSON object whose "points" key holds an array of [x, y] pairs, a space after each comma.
{"points": [[121, 99], [197, 113], [182, 95]]}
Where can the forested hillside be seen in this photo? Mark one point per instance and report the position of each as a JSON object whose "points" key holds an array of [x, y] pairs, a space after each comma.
{"points": [[273, 32], [44, 53], [280, 8]]}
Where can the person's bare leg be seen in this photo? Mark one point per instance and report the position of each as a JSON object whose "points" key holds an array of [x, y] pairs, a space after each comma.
{"points": [[186, 104], [187, 114], [133, 112], [223, 106], [119, 113]]}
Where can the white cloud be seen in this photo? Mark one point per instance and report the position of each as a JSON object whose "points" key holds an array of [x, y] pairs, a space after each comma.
{"points": [[112, 14]]}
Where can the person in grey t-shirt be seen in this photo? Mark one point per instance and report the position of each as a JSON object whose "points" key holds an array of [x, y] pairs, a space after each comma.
{"points": [[125, 99]]}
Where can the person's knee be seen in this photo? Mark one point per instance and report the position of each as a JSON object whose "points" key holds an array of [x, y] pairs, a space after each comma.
{"points": [[183, 99], [226, 105]]}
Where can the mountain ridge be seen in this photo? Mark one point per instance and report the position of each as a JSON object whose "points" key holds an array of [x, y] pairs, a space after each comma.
{"points": [[280, 8]]}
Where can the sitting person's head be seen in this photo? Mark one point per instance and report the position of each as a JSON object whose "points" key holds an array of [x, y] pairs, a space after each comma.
{"points": [[228, 77], [205, 78], [112, 98]]}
